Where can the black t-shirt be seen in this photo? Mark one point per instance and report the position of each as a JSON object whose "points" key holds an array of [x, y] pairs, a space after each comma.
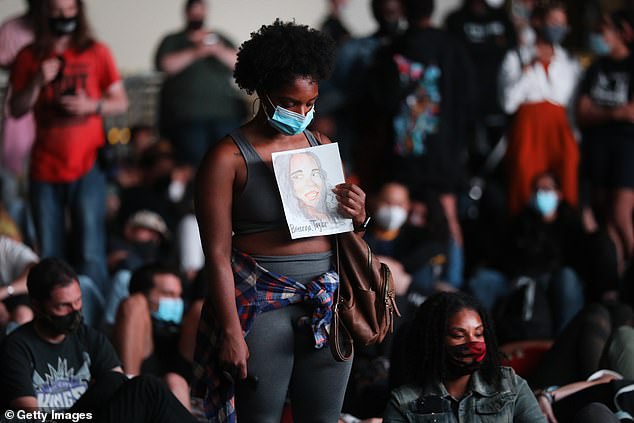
{"points": [[424, 86], [609, 83], [56, 374], [535, 247], [487, 37], [413, 247]]}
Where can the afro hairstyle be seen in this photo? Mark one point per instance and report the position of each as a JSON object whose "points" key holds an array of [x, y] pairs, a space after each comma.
{"points": [[277, 54]]}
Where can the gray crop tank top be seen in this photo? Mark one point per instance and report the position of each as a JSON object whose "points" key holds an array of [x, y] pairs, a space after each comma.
{"points": [[258, 207]]}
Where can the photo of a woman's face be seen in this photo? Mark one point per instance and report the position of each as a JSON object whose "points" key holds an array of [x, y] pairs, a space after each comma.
{"points": [[306, 179]]}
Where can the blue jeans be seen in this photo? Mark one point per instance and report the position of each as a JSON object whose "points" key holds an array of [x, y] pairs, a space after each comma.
{"points": [[488, 285], [565, 292], [563, 289], [85, 202], [191, 140], [120, 291], [453, 273], [92, 301], [424, 280]]}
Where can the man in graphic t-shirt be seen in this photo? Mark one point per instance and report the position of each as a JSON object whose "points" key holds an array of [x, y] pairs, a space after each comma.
{"points": [[70, 81], [424, 99], [56, 363]]}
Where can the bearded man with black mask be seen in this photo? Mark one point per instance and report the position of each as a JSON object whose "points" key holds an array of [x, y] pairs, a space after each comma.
{"points": [[198, 103], [56, 364]]}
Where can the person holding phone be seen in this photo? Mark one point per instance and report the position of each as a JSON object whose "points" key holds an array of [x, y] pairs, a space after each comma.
{"points": [[198, 104], [70, 81], [453, 369], [536, 86]]}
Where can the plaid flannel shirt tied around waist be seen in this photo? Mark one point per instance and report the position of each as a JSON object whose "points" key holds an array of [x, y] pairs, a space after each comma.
{"points": [[257, 291]]}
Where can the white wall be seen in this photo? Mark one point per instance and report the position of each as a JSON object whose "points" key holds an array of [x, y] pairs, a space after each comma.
{"points": [[132, 28]]}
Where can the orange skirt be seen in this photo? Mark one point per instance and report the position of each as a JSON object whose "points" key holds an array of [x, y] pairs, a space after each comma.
{"points": [[540, 139]]}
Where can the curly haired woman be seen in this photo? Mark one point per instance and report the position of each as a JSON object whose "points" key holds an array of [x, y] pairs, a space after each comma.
{"points": [[263, 327]]}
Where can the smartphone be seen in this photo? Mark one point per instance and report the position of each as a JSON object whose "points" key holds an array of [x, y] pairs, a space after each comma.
{"points": [[211, 39], [60, 72], [68, 91]]}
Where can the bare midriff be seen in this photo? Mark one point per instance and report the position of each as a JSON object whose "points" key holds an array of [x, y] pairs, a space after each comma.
{"points": [[277, 243]]}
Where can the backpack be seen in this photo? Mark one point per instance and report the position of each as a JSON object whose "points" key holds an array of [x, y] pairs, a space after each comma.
{"points": [[365, 306], [524, 313]]}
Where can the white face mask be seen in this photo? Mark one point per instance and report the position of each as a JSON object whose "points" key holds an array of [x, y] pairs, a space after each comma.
{"points": [[391, 217]]}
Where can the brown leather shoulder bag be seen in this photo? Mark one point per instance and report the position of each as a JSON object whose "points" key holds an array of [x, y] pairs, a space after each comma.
{"points": [[364, 303]]}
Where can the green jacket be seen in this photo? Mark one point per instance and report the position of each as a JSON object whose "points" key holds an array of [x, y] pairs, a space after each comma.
{"points": [[481, 404]]}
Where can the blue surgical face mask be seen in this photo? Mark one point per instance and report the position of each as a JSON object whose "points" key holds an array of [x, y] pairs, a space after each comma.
{"points": [[169, 310], [555, 34], [289, 122], [546, 202], [598, 44], [520, 11]]}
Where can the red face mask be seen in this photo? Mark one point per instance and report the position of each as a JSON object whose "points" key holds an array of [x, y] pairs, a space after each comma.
{"points": [[466, 358]]}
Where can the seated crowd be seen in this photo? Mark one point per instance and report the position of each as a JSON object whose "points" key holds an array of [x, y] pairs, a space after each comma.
{"points": [[515, 284]]}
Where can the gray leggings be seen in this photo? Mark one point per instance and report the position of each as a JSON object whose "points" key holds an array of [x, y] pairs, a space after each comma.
{"points": [[284, 358]]}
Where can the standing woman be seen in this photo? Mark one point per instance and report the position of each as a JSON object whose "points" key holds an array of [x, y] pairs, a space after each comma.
{"points": [[70, 81], [537, 87], [605, 112], [264, 323], [454, 371]]}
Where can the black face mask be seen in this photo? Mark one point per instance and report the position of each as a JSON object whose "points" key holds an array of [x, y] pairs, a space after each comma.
{"points": [[147, 250], [390, 29], [63, 325], [63, 26], [464, 359], [194, 25]]}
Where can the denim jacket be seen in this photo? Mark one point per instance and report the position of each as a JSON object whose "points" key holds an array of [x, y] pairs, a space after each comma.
{"points": [[481, 404]]}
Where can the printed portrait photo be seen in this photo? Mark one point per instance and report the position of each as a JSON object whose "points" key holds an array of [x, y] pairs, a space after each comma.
{"points": [[305, 178]]}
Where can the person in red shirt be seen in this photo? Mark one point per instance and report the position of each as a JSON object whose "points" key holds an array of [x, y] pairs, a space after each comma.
{"points": [[70, 81]]}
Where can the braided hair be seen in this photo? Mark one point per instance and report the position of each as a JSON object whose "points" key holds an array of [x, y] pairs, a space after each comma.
{"points": [[426, 355]]}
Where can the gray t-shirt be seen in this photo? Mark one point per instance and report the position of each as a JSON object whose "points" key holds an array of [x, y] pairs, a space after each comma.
{"points": [[14, 259]]}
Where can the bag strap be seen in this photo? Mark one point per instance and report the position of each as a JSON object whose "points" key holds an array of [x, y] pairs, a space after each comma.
{"points": [[338, 330], [529, 297], [337, 267], [620, 413]]}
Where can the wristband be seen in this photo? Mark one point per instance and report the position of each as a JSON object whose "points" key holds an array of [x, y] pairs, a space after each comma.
{"points": [[10, 290], [347, 418], [548, 395], [362, 227]]}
